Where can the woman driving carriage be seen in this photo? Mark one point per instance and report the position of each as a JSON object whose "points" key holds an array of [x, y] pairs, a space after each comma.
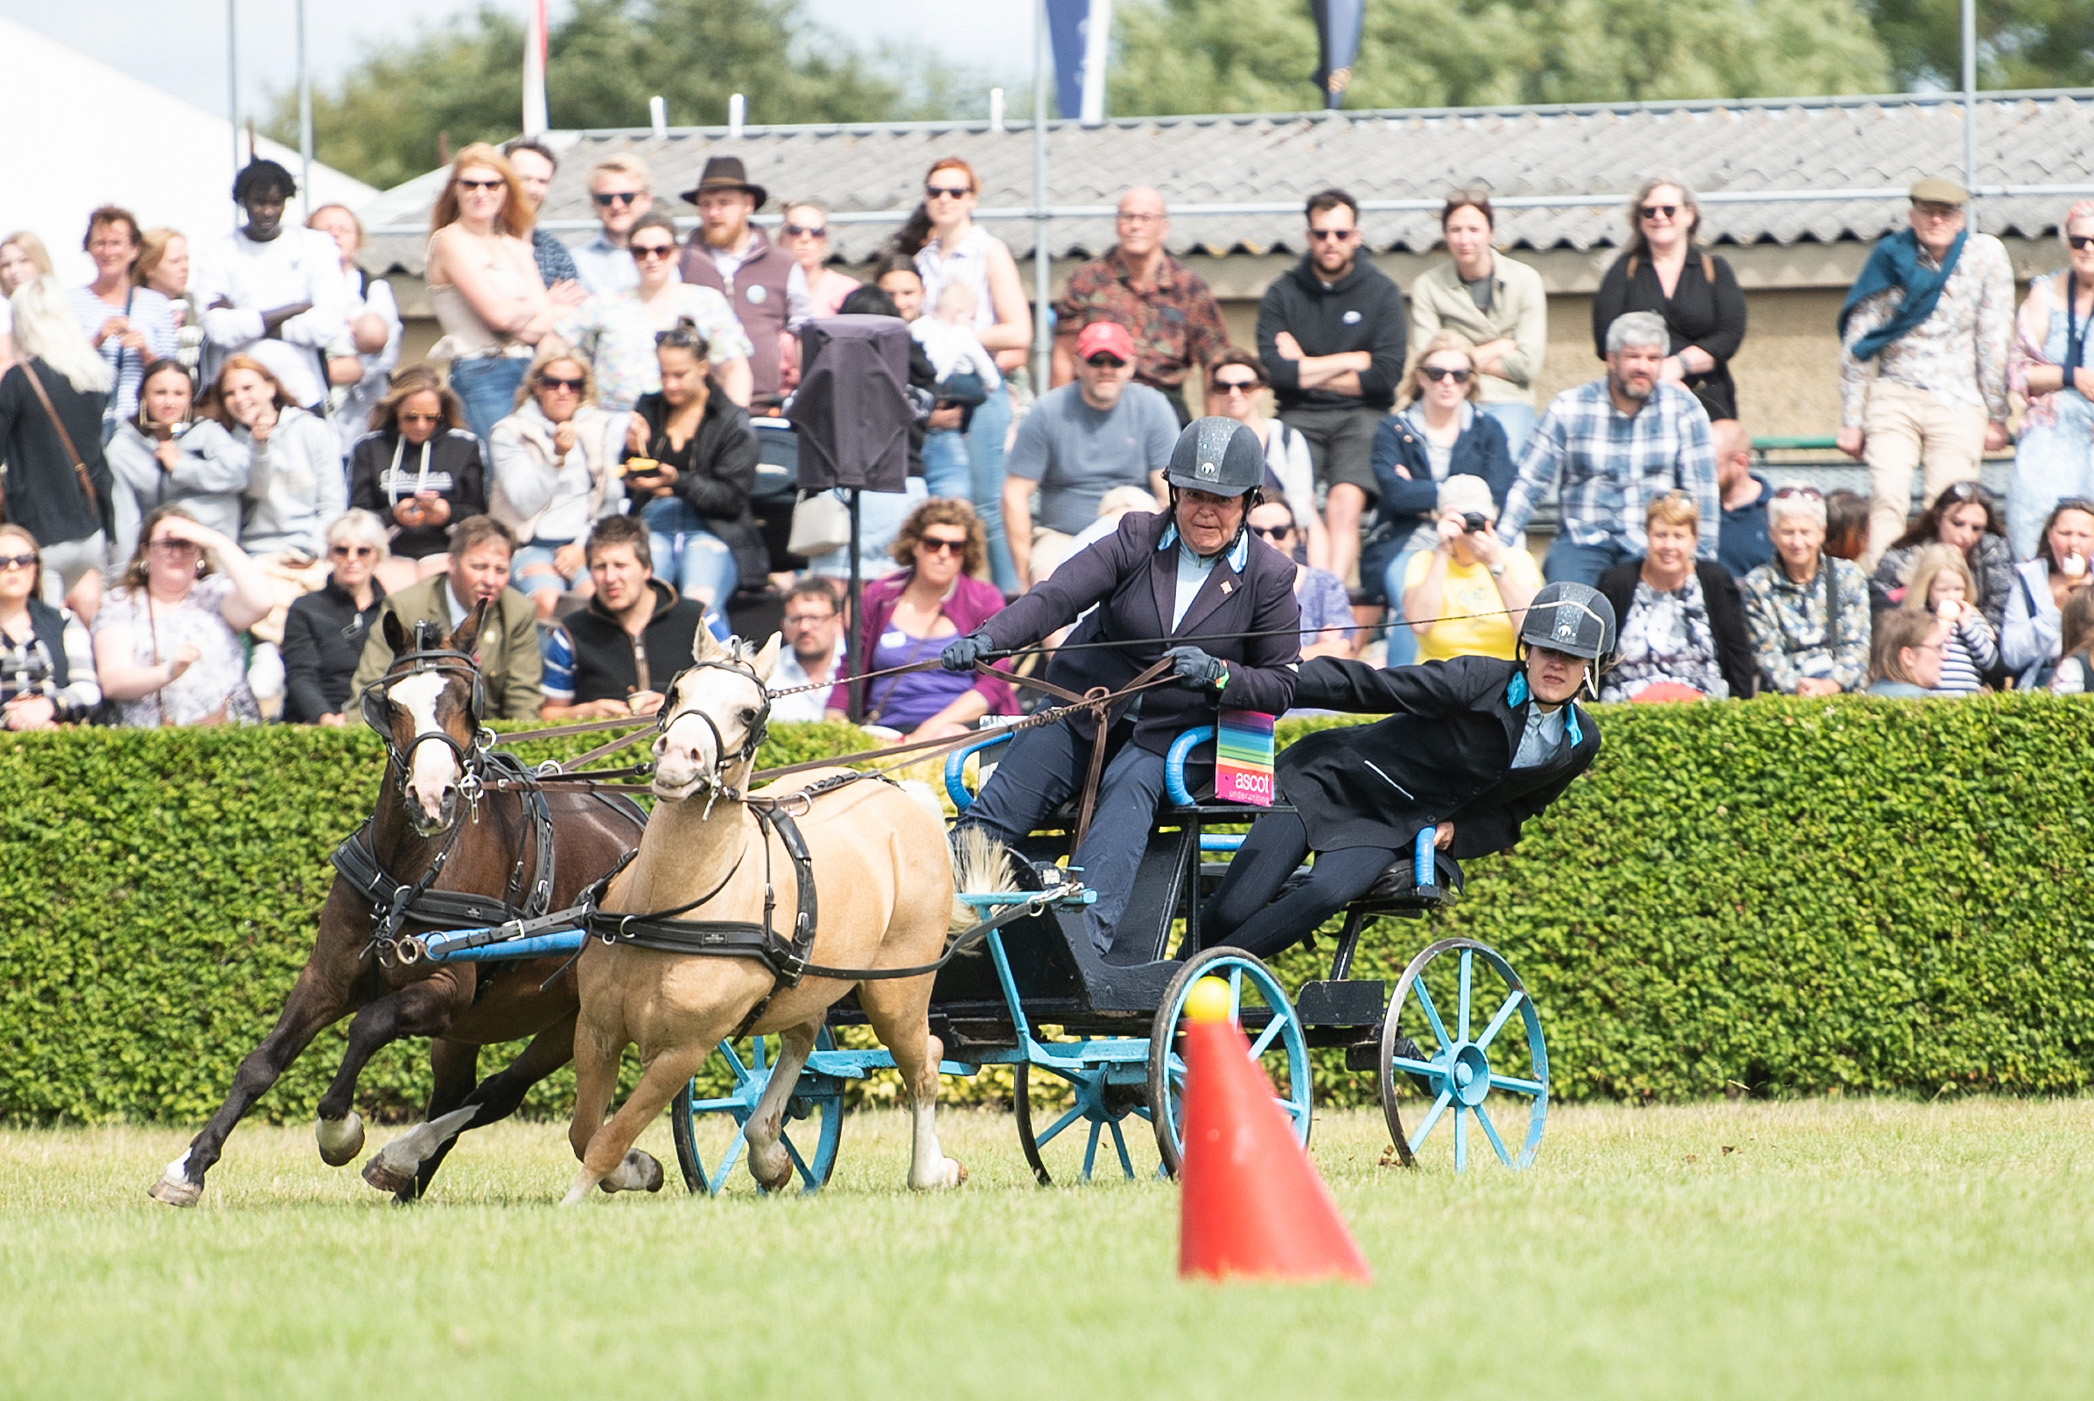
{"points": [[1193, 586], [1474, 747]]}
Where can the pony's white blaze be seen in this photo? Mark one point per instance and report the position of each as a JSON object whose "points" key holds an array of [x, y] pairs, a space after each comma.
{"points": [[683, 754], [435, 768]]}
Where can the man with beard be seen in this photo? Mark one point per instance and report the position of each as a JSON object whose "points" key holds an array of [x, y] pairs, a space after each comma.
{"points": [[1616, 444], [761, 281]]}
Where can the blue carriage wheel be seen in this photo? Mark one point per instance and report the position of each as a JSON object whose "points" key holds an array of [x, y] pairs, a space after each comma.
{"points": [[1266, 1013], [813, 1121], [1096, 1118], [1479, 1054]]}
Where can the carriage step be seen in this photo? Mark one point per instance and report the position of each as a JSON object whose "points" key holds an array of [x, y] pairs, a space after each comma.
{"points": [[1364, 1055], [1344, 1002]]}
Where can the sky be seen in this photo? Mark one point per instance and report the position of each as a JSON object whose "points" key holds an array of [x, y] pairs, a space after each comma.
{"points": [[180, 46]]}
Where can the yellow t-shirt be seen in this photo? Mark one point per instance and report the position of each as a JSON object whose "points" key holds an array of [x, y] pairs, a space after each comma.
{"points": [[1471, 590]]}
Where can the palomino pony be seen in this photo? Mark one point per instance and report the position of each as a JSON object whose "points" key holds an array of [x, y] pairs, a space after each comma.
{"points": [[439, 834], [883, 890]]}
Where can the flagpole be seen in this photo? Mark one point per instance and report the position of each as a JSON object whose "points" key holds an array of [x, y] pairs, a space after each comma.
{"points": [[305, 116], [535, 118], [1970, 97], [1042, 337], [232, 78]]}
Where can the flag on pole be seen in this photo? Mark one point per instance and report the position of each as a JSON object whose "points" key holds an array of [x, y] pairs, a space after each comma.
{"points": [[1081, 31], [1337, 45], [534, 117]]}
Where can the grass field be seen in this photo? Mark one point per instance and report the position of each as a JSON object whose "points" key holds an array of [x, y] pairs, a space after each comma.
{"points": [[1729, 1250]]}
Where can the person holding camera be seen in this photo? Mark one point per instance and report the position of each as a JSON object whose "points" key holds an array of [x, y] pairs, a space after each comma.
{"points": [[1466, 596]]}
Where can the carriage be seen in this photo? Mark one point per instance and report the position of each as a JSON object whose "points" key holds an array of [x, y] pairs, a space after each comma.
{"points": [[1092, 1044]]}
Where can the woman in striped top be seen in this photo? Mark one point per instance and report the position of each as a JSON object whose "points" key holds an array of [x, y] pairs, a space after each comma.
{"points": [[1942, 585]]}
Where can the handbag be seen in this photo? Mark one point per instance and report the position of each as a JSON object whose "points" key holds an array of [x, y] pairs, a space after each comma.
{"points": [[65, 440], [821, 524]]}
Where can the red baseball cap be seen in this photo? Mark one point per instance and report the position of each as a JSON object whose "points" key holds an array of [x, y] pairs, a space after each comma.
{"points": [[1105, 338]]}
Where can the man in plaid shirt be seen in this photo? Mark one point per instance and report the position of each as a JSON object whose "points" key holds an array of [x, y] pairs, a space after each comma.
{"points": [[1615, 444]]}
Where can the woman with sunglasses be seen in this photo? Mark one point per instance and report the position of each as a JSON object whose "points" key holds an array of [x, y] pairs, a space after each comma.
{"points": [[1438, 432], [1234, 381], [1326, 605], [939, 593], [1808, 612], [484, 285], [167, 645], [166, 453], [805, 235], [2050, 367], [555, 475], [325, 632], [2044, 587], [616, 329], [1695, 292], [420, 471], [47, 665], [949, 246], [690, 463], [1962, 516]]}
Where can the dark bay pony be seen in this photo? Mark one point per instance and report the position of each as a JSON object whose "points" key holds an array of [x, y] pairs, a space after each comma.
{"points": [[433, 816]]}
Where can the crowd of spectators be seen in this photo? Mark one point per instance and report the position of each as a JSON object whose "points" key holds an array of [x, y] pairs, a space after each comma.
{"points": [[218, 472]]}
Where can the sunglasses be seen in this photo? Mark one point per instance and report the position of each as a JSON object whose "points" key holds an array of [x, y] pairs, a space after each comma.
{"points": [[1103, 361], [572, 386], [1235, 386], [604, 201], [495, 184], [1659, 211], [421, 417], [1272, 532], [1436, 373], [1331, 235], [806, 231], [350, 551], [17, 562], [947, 191], [1808, 493], [932, 545], [177, 547], [2079, 241], [648, 252]]}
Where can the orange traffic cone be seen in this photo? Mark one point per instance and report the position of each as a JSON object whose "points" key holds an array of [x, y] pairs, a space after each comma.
{"points": [[1252, 1203]]}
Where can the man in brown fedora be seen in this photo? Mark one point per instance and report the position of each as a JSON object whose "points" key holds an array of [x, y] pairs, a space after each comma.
{"points": [[760, 280]]}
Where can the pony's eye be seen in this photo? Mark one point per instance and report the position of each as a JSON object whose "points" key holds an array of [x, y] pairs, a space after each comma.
{"points": [[748, 715]]}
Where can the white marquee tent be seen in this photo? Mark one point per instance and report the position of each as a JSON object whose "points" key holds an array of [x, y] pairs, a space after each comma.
{"points": [[80, 134]]}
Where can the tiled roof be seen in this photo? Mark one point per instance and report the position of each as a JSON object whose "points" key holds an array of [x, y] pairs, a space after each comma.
{"points": [[1726, 149]]}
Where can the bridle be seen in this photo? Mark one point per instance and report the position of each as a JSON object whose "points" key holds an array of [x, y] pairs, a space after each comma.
{"points": [[452, 665], [715, 779]]}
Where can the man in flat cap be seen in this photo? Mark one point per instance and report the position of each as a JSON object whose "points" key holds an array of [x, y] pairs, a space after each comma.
{"points": [[1923, 357], [760, 280]]}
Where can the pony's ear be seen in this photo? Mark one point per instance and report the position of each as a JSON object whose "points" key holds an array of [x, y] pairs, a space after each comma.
{"points": [[705, 647], [469, 631], [767, 659], [395, 633]]}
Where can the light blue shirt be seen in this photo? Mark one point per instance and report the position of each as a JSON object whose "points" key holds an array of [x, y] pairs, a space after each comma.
{"points": [[604, 267], [1193, 571], [1546, 730]]}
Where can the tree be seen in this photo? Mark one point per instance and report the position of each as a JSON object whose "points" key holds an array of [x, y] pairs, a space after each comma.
{"points": [[465, 80], [1215, 56], [2021, 43]]}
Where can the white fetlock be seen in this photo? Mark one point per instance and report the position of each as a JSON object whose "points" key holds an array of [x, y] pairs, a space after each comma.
{"points": [[771, 1166], [579, 1192], [174, 1186], [395, 1166], [340, 1139]]}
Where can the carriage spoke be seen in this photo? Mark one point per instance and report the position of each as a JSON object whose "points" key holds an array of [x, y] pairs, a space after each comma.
{"points": [[734, 1063], [1418, 1067], [1461, 1141], [1266, 1037], [1490, 1131], [1517, 1085], [1289, 1107], [1236, 995], [1119, 1141], [1432, 1013], [1042, 1140], [806, 1176], [730, 1157], [1490, 1033], [1432, 1116], [1467, 978], [1090, 1150]]}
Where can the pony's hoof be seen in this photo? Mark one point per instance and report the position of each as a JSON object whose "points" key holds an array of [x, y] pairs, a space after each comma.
{"points": [[340, 1139], [176, 1191], [639, 1172], [388, 1178], [947, 1174]]}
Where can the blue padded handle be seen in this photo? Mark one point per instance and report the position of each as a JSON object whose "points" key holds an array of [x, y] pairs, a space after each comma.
{"points": [[956, 764], [1422, 872], [1174, 764]]}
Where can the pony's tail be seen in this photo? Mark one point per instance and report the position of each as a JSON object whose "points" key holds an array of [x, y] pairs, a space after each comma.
{"points": [[981, 865]]}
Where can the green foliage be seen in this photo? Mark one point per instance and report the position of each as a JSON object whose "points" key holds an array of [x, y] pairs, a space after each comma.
{"points": [[1782, 897], [603, 62], [2021, 43], [1212, 56]]}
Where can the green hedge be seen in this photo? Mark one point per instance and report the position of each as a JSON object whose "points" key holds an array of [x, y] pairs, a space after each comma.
{"points": [[1793, 897]]}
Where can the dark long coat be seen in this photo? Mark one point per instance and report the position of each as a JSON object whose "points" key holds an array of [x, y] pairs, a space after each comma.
{"points": [[1444, 755]]}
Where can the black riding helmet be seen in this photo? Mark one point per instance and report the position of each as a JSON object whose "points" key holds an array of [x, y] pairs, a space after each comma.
{"points": [[1217, 455], [1574, 619]]}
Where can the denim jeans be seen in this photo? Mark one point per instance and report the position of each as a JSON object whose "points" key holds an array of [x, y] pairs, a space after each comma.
{"points": [[687, 556], [1518, 421], [1582, 564], [985, 457], [486, 389], [948, 470], [1402, 643]]}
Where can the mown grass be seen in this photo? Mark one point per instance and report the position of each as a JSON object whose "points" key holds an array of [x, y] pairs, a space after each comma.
{"points": [[1835, 1249]]}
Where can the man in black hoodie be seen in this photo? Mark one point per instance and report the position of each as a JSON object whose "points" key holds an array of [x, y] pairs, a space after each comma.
{"points": [[616, 656], [1331, 334]]}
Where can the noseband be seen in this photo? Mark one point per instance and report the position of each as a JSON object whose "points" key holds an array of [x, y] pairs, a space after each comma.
{"points": [[716, 779], [452, 666]]}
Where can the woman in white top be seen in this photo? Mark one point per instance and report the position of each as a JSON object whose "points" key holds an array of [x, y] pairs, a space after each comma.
{"points": [[357, 380], [1497, 303], [166, 642], [949, 247], [130, 326], [1234, 381], [615, 329], [484, 285], [555, 474]]}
